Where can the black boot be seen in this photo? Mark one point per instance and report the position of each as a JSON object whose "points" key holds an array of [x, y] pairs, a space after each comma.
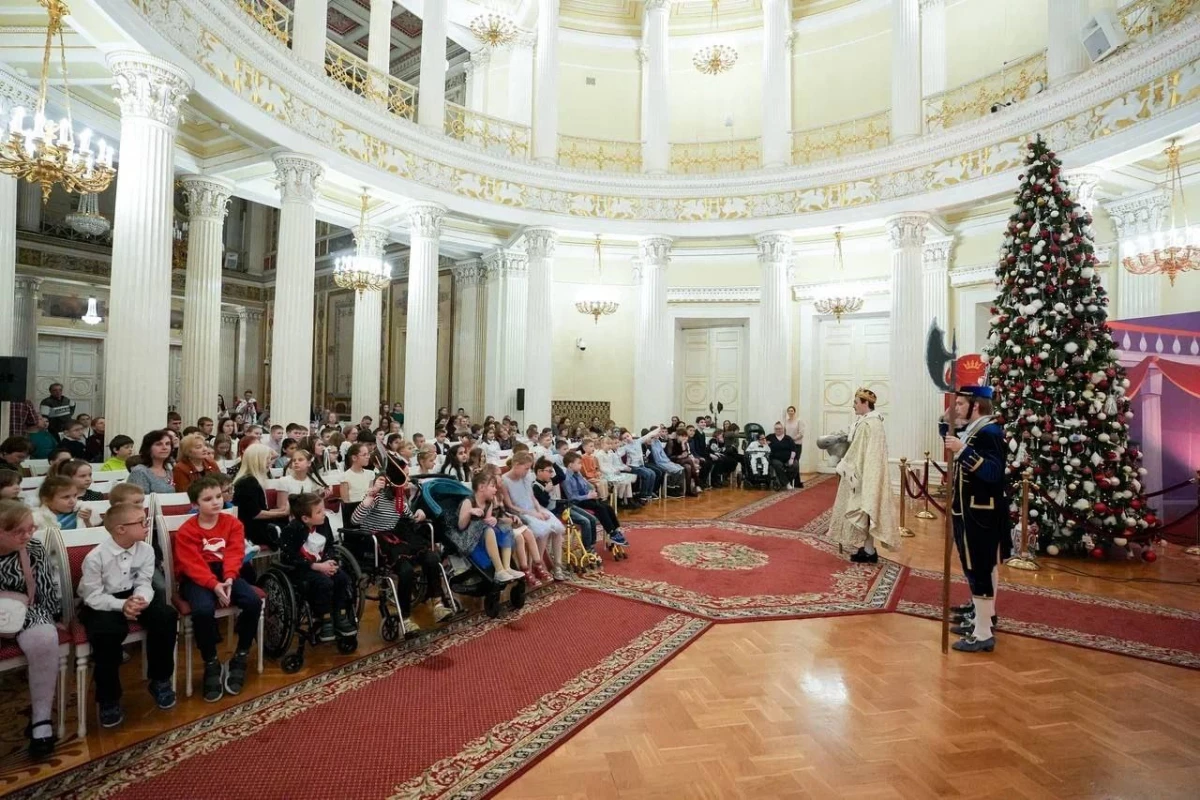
{"points": [[863, 557]]}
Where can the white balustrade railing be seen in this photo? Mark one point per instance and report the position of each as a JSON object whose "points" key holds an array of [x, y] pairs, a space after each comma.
{"points": [[842, 138], [272, 15], [707, 158], [600, 155], [1014, 82], [490, 134]]}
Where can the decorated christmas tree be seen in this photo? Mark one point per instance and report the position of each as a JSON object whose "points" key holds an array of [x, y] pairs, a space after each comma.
{"points": [[1059, 389]]}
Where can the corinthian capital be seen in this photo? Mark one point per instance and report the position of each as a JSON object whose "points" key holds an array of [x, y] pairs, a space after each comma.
{"points": [[907, 230], [655, 251], [148, 87], [657, 5], [470, 272], [298, 176], [540, 242], [425, 220], [207, 198], [773, 247], [935, 255]]}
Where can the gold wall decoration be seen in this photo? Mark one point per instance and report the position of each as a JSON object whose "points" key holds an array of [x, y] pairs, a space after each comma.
{"points": [[581, 410]]}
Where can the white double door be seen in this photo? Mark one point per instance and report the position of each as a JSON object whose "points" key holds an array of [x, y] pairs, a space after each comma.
{"points": [[853, 354], [78, 364], [712, 369]]}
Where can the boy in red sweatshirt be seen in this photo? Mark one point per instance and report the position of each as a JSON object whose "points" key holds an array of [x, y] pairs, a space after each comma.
{"points": [[208, 557]]}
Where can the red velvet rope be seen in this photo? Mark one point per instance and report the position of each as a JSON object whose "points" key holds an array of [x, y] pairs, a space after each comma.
{"points": [[922, 490], [938, 467], [1177, 486]]}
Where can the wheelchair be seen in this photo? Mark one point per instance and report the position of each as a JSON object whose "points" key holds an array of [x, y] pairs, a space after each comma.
{"points": [[287, 614], [376, 581]]}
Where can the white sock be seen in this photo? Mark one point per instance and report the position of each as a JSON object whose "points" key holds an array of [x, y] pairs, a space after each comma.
{"points": [[985, 607], [869, 547]]}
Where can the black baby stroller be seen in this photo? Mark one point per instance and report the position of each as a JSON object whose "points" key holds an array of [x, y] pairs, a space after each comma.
{"points": [[440, 498], [752, 477]]}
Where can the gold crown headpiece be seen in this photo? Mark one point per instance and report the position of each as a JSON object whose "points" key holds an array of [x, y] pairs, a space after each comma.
{"points": [[865, 394]]}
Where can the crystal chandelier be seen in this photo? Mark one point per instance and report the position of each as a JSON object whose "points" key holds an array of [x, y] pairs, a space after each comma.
{"points": [[87, 219], [1167, 252], [494, 29], [716, 58], [48, 152], [360, 272], [595, 301], [91, 316], [838, 299]]}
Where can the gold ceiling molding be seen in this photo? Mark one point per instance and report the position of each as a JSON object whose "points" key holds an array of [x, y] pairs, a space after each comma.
{"points": [[1155, 77]]}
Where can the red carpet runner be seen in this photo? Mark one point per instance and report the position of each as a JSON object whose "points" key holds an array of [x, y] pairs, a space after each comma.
{"points": [[456, 717], [1156, 633], [799, 510]]}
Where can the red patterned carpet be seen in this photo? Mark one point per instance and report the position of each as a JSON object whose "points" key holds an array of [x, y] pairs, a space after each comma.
{"points": [[796, 510], [729, 571], [1156, 633], [455, 718]]}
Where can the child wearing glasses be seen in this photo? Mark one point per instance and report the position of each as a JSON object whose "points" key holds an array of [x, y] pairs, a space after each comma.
{"points": [[116, 590]]}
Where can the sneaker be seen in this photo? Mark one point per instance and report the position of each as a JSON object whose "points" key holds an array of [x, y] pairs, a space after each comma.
{"points": [[343, 624], [618, 537], [558, 574], [973, 645], [410, 627], [111, 716], [326, 634], [440, 612], [507, 575], [163, 694], [235, 673], [213, 688]]}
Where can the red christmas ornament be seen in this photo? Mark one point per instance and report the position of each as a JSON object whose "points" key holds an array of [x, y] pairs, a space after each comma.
{"points": [[1100, 508], [1098, 553], [1135, 503], [1149, 555]]}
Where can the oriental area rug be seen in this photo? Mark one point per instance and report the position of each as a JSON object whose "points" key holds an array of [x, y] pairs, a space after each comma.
{"points": [[456, 718]]}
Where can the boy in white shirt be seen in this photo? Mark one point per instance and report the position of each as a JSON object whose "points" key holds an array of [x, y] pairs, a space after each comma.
{"points": [[116, 589], [760, 456]]}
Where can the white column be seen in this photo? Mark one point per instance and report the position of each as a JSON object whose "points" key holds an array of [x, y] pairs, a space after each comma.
{"points": [[470, 341], [308, 31], [656, 123], [1135, 219], [255, 237], [299, 177], [933, 47], [431, 102], [8, 276], [1150, 411], [227, 374], [26, 300], [207, 203], [249, 354], [935, 304], [29, 206], [420, 351], [907, 416], [507, 296], [539, 381], [520, 83], [545, 115], [367, 360], [906, 70], [1065, 56], [136, 351], [654, 345], [773, 354], [379, 50], [477, 80], [776, 103]]}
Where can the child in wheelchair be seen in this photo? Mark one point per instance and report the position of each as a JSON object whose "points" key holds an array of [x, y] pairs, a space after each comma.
{"points": [[308, 555], [404, 539]]}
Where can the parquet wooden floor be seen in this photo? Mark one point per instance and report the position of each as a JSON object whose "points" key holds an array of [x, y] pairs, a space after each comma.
{"points": [[844, 707]]}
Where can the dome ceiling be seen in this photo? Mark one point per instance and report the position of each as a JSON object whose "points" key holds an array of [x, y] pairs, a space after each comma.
{"points": [[624, 17]]}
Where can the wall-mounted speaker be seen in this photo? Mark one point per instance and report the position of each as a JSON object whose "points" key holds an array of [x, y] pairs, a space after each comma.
{"points": [[13, 373], [1102, 36], [520, 399]]}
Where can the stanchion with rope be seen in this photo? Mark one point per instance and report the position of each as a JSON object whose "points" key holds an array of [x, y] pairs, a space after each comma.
{"points": [[1025, 558], [904, 530], [1194, 550], [925, 513]]}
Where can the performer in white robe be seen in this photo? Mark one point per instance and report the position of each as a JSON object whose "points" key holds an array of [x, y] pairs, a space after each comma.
{"points": [[862, 512]]}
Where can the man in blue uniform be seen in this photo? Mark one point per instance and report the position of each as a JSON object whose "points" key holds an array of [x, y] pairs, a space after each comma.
{"points": [[979, 507]]}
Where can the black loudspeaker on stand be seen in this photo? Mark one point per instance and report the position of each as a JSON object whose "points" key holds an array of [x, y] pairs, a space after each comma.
{"points": [[13, 373], [520, 399]]}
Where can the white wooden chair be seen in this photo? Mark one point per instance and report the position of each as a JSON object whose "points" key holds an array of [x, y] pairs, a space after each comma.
{"points": [[32, 483], [37, 466]]}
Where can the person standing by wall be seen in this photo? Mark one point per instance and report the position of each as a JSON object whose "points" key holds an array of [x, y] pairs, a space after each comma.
{"points": [[58, 408]]}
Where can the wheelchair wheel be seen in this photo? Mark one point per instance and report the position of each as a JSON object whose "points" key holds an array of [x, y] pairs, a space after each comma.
{"points": [[389, 629], [282, 615], [350, 564], [491, 604], [516, 595], [292, 663]]}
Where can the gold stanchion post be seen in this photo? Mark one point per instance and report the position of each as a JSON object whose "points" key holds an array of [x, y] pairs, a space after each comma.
{"points": [[925, 513], [1024, 559], [904, 530]]}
